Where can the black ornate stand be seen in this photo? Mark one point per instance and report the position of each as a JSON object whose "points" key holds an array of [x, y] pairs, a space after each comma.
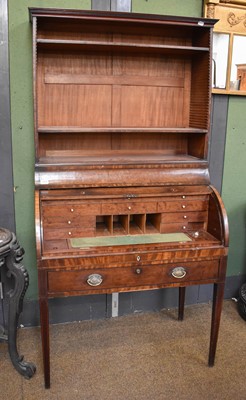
{"points": [[241, 303], [11, 269]]}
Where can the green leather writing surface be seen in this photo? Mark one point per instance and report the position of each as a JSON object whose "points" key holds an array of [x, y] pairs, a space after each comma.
{"points": [[128, 240]]}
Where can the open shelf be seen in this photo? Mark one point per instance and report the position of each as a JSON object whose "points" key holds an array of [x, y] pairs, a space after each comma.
{"points": [[119, 47], [145, 102], [78, 129], [119, 94], [122, 147], [115, 157]]}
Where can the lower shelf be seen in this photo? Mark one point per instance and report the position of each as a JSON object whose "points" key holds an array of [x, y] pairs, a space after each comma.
{"points": [[118, 157]]}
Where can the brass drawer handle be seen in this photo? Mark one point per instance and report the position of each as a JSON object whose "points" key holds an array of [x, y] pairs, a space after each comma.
{"points": [[138, 271], [94, 280], [179, 272]]}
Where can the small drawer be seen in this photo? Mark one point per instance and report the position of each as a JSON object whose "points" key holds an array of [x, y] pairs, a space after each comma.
{"points": [[184, 217], [54, 234], [60, 222], [181, 227], [183, 206], [70, 210], [129, 207], [175, 227]]}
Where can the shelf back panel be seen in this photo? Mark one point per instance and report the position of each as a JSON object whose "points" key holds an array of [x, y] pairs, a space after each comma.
{"points": [[86, 143], [98, 90]]}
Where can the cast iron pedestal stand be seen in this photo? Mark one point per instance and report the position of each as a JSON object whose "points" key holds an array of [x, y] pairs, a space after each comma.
{"points": [[11, 255]]}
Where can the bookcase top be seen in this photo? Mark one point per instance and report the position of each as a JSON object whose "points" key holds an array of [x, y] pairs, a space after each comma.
{"points": [[120, 16]]}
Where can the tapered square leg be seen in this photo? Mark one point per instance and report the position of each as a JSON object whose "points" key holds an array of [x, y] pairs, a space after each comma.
{"points": [[181, 303], [215, 323], [44, 322]]}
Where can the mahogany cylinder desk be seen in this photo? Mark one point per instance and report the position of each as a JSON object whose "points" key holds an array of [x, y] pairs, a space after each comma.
{"points": [[122, 121]]}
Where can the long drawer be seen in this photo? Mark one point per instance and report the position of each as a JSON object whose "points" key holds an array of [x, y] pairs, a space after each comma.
{"points": [[126, 277]]}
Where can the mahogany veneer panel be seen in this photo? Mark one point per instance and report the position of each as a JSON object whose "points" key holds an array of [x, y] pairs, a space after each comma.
{"points": [[115, 87]]}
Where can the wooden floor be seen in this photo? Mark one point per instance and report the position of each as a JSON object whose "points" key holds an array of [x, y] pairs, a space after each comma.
{"points": [[137, 357]]}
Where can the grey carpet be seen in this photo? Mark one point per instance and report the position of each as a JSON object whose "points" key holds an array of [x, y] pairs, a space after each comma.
{"points": [[137, 357]]}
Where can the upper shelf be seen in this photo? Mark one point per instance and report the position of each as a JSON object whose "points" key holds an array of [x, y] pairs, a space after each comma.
{"points": [[119, 46], [77, 129]]}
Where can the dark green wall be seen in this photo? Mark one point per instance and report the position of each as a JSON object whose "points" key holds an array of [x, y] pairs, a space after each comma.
{"points": [[191, 8], [234, 187], [234, 183], [20, 49]]}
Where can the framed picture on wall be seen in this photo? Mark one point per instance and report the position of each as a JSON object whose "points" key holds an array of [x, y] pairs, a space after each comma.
{"points": [[229, 45]]}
